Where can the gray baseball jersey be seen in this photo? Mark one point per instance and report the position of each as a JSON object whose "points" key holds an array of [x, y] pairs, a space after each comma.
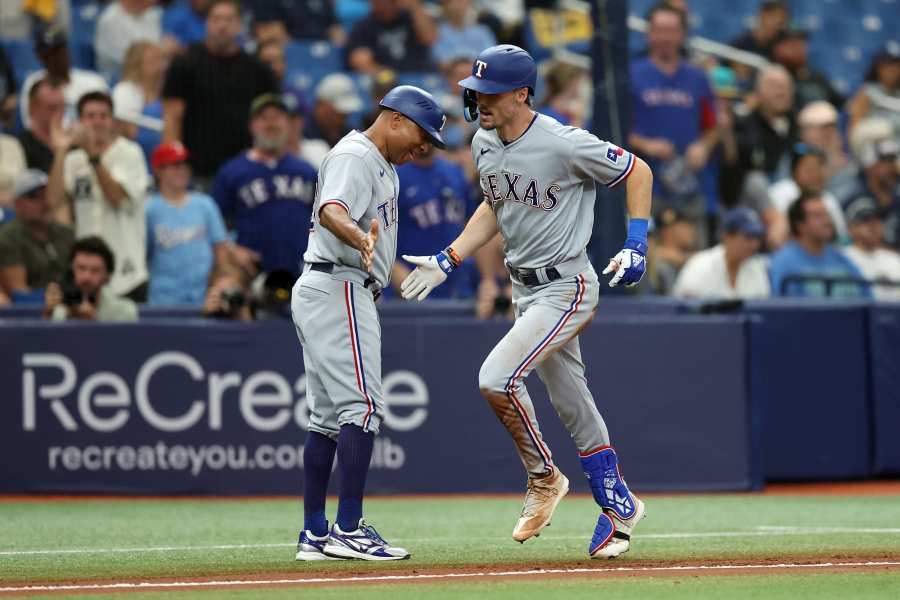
{"points": [[355, 176], [541, 187]]}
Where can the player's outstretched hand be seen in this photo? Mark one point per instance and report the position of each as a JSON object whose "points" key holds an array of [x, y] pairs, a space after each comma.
{"points": [[368, 249], [628, 265], [427, 275]]}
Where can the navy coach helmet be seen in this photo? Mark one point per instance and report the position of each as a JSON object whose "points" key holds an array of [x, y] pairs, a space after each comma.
{"points": [[496, 70], [420, 107]]}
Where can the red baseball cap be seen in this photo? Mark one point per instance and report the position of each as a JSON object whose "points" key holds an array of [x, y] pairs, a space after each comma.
{"points": [[169, 153]]}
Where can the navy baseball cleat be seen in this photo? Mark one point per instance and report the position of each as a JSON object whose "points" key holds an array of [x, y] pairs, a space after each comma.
{"points": [[311, 547], [364, 543]]}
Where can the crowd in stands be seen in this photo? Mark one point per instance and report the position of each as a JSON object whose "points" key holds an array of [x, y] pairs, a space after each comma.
{"points": [[172, 159]]}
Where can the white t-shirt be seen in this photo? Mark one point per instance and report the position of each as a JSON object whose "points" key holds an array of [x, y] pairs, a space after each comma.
{"points": [[881, 263], [783, 193], [80, 83], [122, 227], [128, 100], [705, 275], [117, 29], [313, 152], [12, 163]]}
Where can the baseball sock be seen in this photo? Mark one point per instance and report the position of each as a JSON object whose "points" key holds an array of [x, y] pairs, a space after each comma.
{"points": [[318, 457], [354, 450]]}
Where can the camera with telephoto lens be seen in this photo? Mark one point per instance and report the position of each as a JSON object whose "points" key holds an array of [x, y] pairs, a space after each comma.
{"points": [[231, 301], [72, 294]]}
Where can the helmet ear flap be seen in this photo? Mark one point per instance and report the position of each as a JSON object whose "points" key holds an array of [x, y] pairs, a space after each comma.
{"points": [[470, 105]]}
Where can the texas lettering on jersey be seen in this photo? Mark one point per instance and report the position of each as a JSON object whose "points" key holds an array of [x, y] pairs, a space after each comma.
{"points": [[387, 212], [514, 187], [285, 187]]}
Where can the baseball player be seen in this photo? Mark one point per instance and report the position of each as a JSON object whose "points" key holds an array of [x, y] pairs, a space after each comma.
{"points": [[352, 247], [538, 180]]}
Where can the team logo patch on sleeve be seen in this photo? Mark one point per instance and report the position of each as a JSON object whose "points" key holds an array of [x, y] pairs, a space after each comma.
{"points": [[613, 154]]}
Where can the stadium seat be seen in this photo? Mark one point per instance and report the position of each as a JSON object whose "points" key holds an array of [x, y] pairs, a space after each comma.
{"points": [[81, 39], [309, 61], [21, 55], [431, 82]]}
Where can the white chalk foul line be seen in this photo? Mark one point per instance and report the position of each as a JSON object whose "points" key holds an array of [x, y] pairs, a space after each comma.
{"points": [[760, 531], [426, 576]]}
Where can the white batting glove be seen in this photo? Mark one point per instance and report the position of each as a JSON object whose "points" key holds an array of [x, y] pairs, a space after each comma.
{"points": [[430, 272]]}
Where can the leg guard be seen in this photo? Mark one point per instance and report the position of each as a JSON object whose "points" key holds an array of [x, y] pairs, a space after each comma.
{"points": [[601, 467]]}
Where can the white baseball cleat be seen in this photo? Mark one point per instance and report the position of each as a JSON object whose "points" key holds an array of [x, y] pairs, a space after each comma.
{"points": [[541, 499], [363, 543]]}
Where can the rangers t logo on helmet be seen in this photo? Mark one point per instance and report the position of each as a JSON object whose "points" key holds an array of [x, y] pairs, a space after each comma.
{"points": [[480, 65]]}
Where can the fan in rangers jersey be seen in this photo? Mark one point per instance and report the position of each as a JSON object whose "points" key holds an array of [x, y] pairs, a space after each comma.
{"points": [[539, 179]]}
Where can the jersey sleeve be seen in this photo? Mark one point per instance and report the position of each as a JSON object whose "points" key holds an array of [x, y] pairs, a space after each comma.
{"points": [[593, 158], [131, 173], [345, 183]]}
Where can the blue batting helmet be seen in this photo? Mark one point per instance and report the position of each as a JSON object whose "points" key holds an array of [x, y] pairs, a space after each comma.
{"points": [[496, 70], [418, 106]]}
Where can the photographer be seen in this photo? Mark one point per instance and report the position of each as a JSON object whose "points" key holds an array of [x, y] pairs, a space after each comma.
{"points": [[84, 293], [228, 297]]}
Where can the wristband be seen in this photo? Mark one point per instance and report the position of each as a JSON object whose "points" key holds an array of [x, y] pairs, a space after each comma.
{"points": [[637, 231], [94, 160], [444, 262], [453, 256]]}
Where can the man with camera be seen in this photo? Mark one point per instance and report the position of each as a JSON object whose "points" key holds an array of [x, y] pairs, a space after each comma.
{"points": [[84, 292]]}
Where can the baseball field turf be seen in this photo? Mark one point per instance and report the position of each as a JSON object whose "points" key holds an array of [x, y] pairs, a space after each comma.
{"points": [[800, 544]]}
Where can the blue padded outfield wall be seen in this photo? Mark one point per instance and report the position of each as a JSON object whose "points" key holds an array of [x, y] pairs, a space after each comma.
{"points": [[778, 391]]}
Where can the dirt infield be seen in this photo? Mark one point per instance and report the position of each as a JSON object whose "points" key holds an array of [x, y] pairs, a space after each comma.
{"points": [[417, 575], [838, 488]]}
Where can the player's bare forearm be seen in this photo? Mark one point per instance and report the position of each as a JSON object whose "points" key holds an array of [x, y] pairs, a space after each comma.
{"points": [[638, 190], [113, 191], [338, 221], [480, 229]]}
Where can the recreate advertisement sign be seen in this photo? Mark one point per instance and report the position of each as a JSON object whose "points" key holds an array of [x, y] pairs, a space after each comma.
{"points": [[220, 408]]}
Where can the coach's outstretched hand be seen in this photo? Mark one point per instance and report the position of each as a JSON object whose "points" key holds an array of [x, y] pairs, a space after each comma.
{"points": [[367, 251], [430, 272], [628, 265]]}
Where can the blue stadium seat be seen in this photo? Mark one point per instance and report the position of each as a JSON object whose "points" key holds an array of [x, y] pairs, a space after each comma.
{"points": [[308, 62], [21, 55], [81, 39], [431, 82]]}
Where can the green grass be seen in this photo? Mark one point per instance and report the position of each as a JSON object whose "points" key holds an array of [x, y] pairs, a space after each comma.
{"points": [[812, 586], [441, 532]]}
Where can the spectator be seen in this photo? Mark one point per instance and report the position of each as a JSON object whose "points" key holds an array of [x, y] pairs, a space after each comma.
{"points": [[818, 125], [208, 91], [51, 46], [272, 55], [299, 19], [8, 96], [12, 163], [791, 50], [86, 293], [867, 132], [674, 116], [880, 180], [46, 107], [434, 203], [33, 247], [765, 136], [868, 253], [312, 151], [228, 297], [185, 21], [121, 24], [879, 96], [459, 34], [772, 17], [808, 176], [336, 100], [812, 257], [105, 179], [397, 35], [731, 269], [266, 193], [567, 94], [674, 240], [185, 233], [136, 98]]}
